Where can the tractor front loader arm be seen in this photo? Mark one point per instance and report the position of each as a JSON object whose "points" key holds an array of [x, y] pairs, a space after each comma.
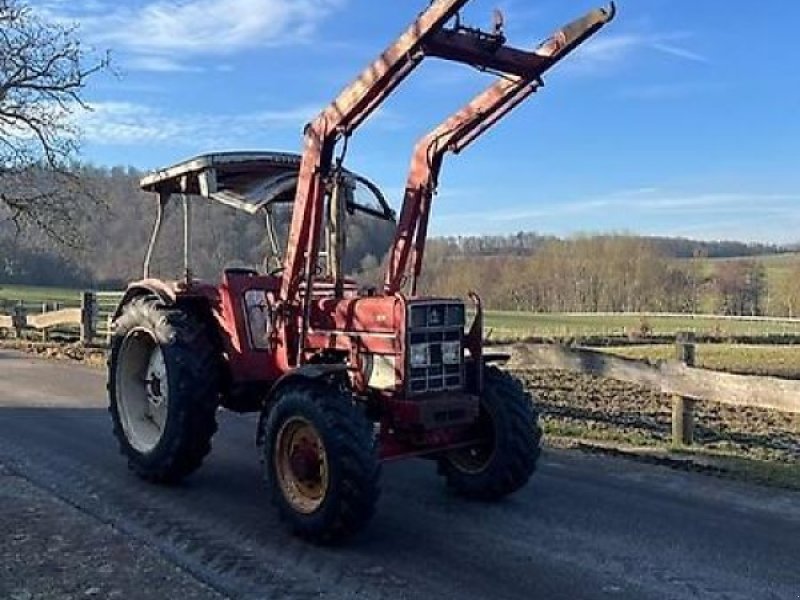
{"points": [[353, 105], [427, 36], [520, 77]]}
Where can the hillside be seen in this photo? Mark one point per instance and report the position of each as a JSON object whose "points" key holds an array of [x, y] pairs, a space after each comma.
{"points": [[524, 271]]}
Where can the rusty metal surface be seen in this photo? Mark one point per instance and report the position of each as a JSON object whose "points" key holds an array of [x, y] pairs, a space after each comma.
{"points": [[427, 36], [520, 79], [310, 315], [168, 180]]}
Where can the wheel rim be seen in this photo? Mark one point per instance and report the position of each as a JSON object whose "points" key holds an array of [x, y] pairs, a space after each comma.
{"points": [[142, 390], [476, 458], [301, 465]]}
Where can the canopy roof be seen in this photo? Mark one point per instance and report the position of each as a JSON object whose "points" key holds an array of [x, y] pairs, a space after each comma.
{"points": [[244, 180], [248, 181]]}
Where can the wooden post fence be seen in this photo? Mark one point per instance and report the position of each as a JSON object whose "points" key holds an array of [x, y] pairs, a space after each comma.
{"points": [[88, 317], [683, 407], [19, 319]]}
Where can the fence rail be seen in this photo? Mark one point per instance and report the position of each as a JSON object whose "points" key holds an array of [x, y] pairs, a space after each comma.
{"points": [[106, 303], [672, 377], [679, 378], [89, 318]]}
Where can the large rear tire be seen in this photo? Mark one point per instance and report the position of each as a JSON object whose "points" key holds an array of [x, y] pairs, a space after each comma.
{"points": [[163, 389], [320, 461], [506, 458]]}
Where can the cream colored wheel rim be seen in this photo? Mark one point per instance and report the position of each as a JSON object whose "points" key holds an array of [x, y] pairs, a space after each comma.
{"points": [[142, 390], [301, 465]]}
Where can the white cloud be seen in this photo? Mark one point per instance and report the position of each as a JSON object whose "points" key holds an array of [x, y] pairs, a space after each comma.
{"points": [[645, 201], [670, 90], [610, 50], [162, 35], [159, 64], [115, 123], [756, 216], [678, 52], [131, 124]]}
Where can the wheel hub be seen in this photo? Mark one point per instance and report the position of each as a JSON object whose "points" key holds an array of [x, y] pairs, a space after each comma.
{"points": [[142, 390], [305, 462], [154, 389], [476, 458], [301, 465]]}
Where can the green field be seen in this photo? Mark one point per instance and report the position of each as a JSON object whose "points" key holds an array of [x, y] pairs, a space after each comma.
{"points": [[33, 295], [776, 360], [509, 326], [504, 326]]}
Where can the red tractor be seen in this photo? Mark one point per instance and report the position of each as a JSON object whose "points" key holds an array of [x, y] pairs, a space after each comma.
{"points": [[343, 379]]}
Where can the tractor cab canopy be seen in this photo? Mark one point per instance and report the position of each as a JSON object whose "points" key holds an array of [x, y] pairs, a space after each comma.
{"points": [[257, 183], [251, 181]]}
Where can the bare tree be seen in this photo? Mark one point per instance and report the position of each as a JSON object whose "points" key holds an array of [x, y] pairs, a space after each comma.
{"points": [[741, 287], [43, 71]]}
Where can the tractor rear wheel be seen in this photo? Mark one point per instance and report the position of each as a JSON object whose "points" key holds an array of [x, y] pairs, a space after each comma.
{"points": [[505, 458], [163, 388], [320, 462]]}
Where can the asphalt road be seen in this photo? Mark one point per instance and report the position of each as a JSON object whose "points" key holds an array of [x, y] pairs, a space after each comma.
{"points": [[587, 527]]}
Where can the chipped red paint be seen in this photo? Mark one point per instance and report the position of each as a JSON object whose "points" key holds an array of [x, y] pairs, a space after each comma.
{"points": [[521, 77], [426, 37]]}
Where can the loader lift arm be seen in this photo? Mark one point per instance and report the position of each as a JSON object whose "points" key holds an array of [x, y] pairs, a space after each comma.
{"points": [[426, 37], [463, 128]]}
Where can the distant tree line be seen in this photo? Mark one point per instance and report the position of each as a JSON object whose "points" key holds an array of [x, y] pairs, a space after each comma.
{"points": [[617, 273], [524, 271], [528, 243], [115, 234]]}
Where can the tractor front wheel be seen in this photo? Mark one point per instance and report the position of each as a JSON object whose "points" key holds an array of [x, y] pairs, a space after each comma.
{"points": [[504, 459], [320, 461]]}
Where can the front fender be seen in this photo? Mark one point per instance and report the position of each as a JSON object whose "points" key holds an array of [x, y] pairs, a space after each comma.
{"points": [[304, 373]]}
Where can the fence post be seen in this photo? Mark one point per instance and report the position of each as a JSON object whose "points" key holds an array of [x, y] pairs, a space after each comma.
{"points": [[683, 408], [88, 317], [682, 421], [19, 319], [686, 348], [109, 322]]}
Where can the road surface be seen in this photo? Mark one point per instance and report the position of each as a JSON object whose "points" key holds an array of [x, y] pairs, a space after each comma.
{"points": [[588, 527]]}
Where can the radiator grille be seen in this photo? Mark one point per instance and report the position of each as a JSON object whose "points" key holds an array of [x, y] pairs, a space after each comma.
{"points": [[436, 326]]}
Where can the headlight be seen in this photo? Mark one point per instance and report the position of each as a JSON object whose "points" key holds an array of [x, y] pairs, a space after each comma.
{"points": [[451, 353], [419, 355]]}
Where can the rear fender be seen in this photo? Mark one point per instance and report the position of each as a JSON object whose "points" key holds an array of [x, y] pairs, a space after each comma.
{"points": [[302, 374], [164, 291]]}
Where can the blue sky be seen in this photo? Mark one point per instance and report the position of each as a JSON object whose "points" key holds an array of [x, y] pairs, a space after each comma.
{"points": [[680, 118]]}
